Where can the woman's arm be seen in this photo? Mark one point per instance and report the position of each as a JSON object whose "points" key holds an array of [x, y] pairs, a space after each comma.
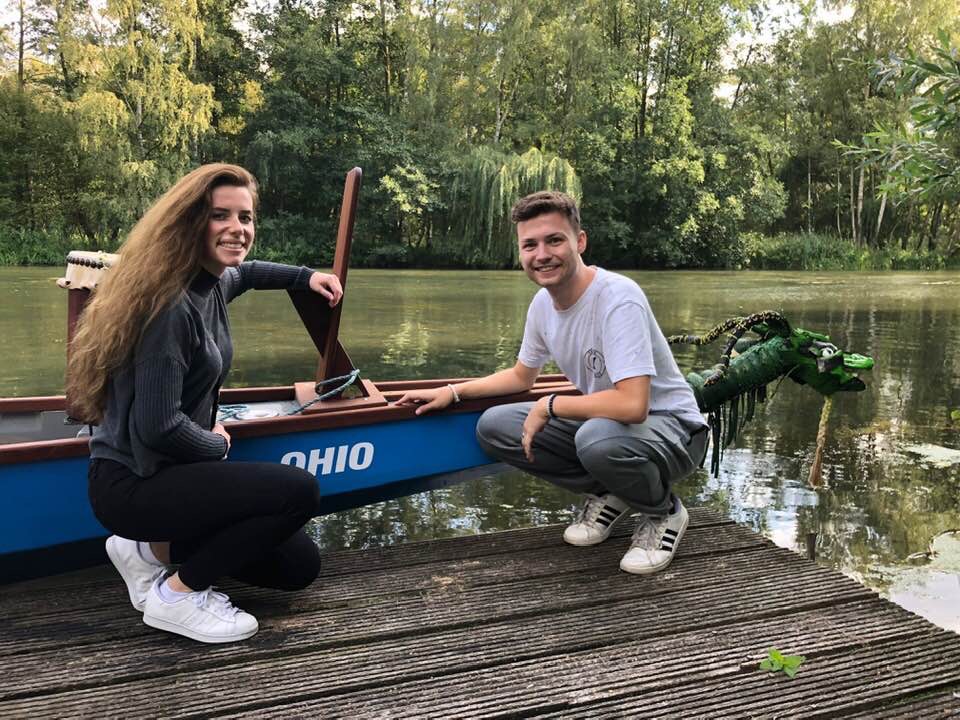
{"points": [[158, 419], [259, 275]]}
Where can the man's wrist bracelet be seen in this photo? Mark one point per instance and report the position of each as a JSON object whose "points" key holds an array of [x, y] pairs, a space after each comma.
{"points": [[550, 413], [456, 397]]}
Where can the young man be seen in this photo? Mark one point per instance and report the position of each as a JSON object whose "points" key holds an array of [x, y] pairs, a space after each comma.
{"points": [[635, 429]]}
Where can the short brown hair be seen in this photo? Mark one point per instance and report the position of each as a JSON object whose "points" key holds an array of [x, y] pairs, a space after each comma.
{"points": [[546, 201]]}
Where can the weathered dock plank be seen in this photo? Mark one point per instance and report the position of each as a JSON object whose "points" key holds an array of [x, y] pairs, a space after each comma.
{"points": [[551, 630], [930, 707], [74, 589], [513, 624], [87, 617]]}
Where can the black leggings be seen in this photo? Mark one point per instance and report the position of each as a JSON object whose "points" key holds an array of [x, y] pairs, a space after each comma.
{"points": [[238, 519]]}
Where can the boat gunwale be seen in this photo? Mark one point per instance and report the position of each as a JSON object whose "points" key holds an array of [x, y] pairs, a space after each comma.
{"points": [[342, 416]]}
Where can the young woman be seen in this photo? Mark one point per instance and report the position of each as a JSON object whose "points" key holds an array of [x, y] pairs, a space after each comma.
{"points": [[151, 352]]}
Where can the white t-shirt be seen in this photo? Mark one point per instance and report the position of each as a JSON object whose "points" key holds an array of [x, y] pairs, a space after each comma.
{"points": [[608, 335]]}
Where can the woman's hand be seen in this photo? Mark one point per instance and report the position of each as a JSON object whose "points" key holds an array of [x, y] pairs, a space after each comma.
{"points": [[222, 432], [328, 286]]}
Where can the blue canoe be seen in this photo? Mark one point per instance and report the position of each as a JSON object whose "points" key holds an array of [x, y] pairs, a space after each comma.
{"points": [[361, 451]]}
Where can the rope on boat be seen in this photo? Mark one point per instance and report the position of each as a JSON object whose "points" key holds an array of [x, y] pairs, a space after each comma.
{"points": [[349, 379], [228, 412]]}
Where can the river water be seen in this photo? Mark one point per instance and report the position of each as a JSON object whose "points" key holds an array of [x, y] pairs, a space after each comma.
{"points": [[891, 470]]}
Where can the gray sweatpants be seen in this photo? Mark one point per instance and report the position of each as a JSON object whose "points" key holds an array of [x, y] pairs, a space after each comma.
{"points": [[638, 463]]}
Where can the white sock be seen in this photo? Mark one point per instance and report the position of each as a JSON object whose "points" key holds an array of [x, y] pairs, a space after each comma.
{"points": [[168, 594], [147, 554]]}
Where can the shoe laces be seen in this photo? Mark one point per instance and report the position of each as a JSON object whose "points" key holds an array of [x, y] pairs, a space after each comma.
{"points": [[216, 602], [591, 509], [648, 533]]}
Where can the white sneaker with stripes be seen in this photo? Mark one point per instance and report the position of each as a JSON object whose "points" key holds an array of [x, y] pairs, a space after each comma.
{"points": [[138, 574], [596, 520], [655, 541], [204, 615]]}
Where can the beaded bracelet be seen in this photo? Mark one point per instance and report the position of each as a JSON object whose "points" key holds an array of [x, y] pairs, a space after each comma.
{"points": [[550, 413]]}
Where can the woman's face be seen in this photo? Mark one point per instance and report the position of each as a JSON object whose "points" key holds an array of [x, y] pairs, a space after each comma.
{"points": [[230, 229]]}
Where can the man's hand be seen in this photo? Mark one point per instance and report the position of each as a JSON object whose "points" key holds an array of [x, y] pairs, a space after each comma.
{"points": [[222, 432], [328, 286], [428, 400], [536, 420]]}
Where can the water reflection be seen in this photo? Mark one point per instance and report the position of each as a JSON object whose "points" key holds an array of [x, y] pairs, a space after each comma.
{"points": [[880, 504]]}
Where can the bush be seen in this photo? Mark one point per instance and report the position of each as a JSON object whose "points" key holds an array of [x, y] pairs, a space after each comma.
{"points": [[811, 251], [803, 251], [388, 255], [295, 239], [20, 246]]}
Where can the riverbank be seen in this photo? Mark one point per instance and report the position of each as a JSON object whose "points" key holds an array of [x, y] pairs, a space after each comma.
{"points": [[789, 251]]}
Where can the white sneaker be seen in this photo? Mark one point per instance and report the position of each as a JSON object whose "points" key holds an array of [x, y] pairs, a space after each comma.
{"points": [[138, 574], [596, 520], [204, 615], [655, 541]]}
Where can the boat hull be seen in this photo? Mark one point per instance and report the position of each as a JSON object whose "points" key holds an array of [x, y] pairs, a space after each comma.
{"points": [[358, 454]]}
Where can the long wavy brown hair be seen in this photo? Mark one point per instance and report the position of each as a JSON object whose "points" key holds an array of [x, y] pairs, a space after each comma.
{"points": [[159, 258]]}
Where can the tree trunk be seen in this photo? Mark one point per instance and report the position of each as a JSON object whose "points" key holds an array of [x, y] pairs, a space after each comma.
{"points": [[853, 212], [645, 66], [883, 206], [839, 198], [20, 44], [809, 198], [385, 48], [498, 126], [860, 206], [336, 40], [935, 226], [736, 95]]}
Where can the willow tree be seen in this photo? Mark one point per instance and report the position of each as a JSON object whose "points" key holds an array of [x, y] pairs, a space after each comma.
{"points": [[487, 185], [139, 112]]}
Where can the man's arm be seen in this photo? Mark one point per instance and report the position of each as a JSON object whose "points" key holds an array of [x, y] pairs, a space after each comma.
{"points": [[627, 402], [517, 379]]}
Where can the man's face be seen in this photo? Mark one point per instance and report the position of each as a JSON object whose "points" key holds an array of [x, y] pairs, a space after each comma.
{"points": [[550, 249]]}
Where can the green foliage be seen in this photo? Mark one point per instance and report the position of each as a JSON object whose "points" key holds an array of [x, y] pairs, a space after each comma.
{"points": [[21, 246], [455, 109], [805, 251], [777, 661], [924, 160], [294, 238], [484, 190]]}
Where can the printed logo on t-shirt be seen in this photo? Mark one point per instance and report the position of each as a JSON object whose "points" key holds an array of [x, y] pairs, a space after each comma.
{"points": [[593, 360]]}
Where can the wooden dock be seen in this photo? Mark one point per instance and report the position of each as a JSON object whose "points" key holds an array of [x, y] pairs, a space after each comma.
{"points": [[510, 624]]}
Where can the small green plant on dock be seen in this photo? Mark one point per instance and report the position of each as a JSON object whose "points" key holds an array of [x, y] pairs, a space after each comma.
{"points": [[777, 661]]}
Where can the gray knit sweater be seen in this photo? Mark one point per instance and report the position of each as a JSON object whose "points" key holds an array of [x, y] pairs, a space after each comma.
{"points": [[161, 404]]}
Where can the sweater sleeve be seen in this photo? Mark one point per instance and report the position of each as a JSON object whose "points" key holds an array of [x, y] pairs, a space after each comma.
{"points": [[160, 422], [160, 365], [260, 275]]}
